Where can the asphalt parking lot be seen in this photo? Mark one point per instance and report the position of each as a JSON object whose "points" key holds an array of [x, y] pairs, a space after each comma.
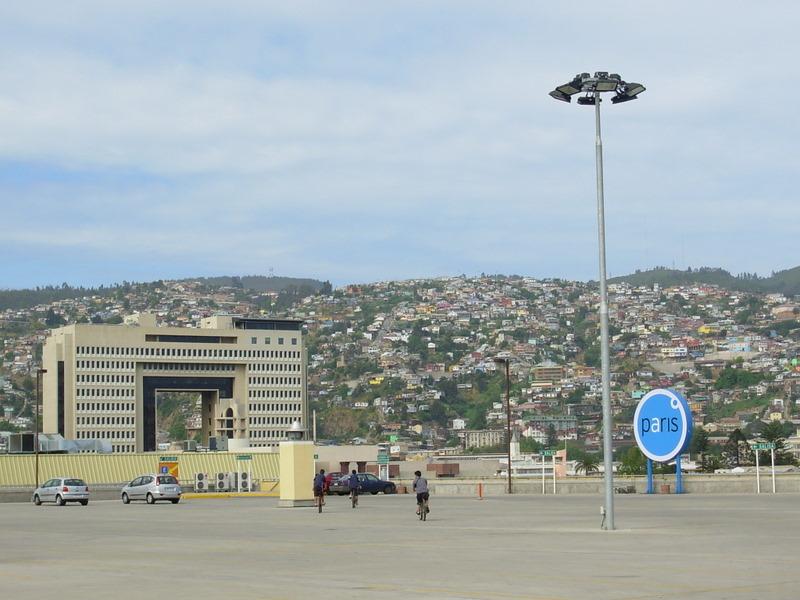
{"points": [[508, 547]]}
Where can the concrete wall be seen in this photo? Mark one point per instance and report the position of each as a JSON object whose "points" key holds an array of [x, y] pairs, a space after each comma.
{"points": [[694, 484], [18, 470]]}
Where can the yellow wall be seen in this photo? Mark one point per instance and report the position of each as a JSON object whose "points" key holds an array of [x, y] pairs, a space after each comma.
{"points": [[18, 470], [297, 471]]}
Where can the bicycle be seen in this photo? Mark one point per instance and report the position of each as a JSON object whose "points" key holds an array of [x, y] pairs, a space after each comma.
{"points": [[320, 499], [423, 509], [354, 497]]}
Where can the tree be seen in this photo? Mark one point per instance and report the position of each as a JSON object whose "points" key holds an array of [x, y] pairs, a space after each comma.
{"points": [[633, 462], [587, 464], [52, 319], [699, 443], [737, 451], [774, 432], [552, 438]]}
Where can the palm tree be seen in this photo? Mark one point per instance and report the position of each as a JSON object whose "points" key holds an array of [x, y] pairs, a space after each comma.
{"points": [[588, 464]]}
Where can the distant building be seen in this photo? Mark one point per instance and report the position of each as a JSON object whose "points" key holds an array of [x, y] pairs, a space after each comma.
{"points": [[102, 380], [482, 438], [548, 371]]}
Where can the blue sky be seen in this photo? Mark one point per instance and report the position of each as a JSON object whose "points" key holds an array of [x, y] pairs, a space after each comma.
{"points": [[364, 141]]}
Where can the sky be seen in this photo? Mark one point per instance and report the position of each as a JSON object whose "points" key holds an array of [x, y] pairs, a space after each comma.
{"points": [[368, 141]]}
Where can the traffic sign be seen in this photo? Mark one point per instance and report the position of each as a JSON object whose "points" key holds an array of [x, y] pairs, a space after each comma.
{"points": [[548, 452], [764, 446], [662, 425], [167, 459], [244, 457], [383, 459]]}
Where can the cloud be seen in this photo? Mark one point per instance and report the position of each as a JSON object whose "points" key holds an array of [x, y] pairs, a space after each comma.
{"points": [[392, 140]]}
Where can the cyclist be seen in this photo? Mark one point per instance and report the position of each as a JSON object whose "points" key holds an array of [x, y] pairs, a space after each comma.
{"points": [[352, 482], [319, 486], [420, 486]]}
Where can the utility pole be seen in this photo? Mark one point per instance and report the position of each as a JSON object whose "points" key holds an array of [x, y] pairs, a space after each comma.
{"points": [[39, 374]]}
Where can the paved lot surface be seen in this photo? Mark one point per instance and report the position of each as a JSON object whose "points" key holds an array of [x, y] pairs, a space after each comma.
{"points": [[510, 548]]}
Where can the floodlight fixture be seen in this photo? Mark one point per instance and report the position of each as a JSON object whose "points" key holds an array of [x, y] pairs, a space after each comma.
{"points": [[587, 100], [573, 87], [606, 85], [634, 89], [559, 95], [622, 98]]}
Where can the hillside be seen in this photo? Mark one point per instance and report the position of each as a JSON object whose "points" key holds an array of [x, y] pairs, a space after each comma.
{"points": [[261, 283], [27, 298], [786, 282]]}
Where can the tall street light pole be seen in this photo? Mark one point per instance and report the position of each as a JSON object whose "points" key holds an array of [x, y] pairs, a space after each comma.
{"points": [[39, 374], [506, 362], [592, 86]]}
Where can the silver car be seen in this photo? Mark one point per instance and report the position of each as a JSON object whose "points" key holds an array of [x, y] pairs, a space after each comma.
{"points": [[62, 490], [152, 488]]}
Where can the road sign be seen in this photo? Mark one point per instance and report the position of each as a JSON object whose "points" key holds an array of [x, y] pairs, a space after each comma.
{"points": [[383, 459], [393, 438], [662, 425], [168, 465], [548, 452], [764, 446], [244, 457]]}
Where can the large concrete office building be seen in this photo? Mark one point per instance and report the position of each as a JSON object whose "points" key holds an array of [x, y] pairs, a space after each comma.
{"points": [[102, 381]]}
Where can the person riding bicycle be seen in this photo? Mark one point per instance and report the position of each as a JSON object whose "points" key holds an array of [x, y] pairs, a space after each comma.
{"points": [[420, 486], [353, 483], [319, 485]]}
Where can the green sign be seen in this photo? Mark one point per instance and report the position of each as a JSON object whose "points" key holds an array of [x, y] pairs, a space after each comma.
{"points": [[244, 457], [548, 452], [383, 459], [392, 438], [764, 446], [316, 457], [167, 459]]}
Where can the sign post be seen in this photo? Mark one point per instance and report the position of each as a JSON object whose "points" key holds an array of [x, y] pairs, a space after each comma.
{"points": [[383, 465], [168, 465], [662, 426], [757, 448], [772, 456], [758, 475], [543, 484], [545, 453]]}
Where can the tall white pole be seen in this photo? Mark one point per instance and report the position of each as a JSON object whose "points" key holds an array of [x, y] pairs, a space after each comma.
{"points": [[608, 457], [543, 481], [554, 474], [758, 476], [772, 453]]}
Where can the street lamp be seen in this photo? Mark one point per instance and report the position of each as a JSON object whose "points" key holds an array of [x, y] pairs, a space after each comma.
{"points": [[506, 362], [624, 91], [39, 373]]}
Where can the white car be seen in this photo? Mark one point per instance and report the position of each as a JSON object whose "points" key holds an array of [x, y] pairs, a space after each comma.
{"points": [[62, 490], [151, 489]]}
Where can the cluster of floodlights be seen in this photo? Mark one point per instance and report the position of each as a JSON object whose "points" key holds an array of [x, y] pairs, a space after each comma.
{"points": [[601, 82]]}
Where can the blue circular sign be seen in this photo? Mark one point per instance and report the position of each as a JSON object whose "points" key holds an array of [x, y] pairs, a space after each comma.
{"points": [[662, 425]]}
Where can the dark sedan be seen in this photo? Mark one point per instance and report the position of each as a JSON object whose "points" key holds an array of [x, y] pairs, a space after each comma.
{"points": [[367, 483]]}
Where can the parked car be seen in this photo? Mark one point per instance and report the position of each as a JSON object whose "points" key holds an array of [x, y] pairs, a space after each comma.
{"points": [[151, 489], [367, 483], [62, 490], [331, 478]]}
